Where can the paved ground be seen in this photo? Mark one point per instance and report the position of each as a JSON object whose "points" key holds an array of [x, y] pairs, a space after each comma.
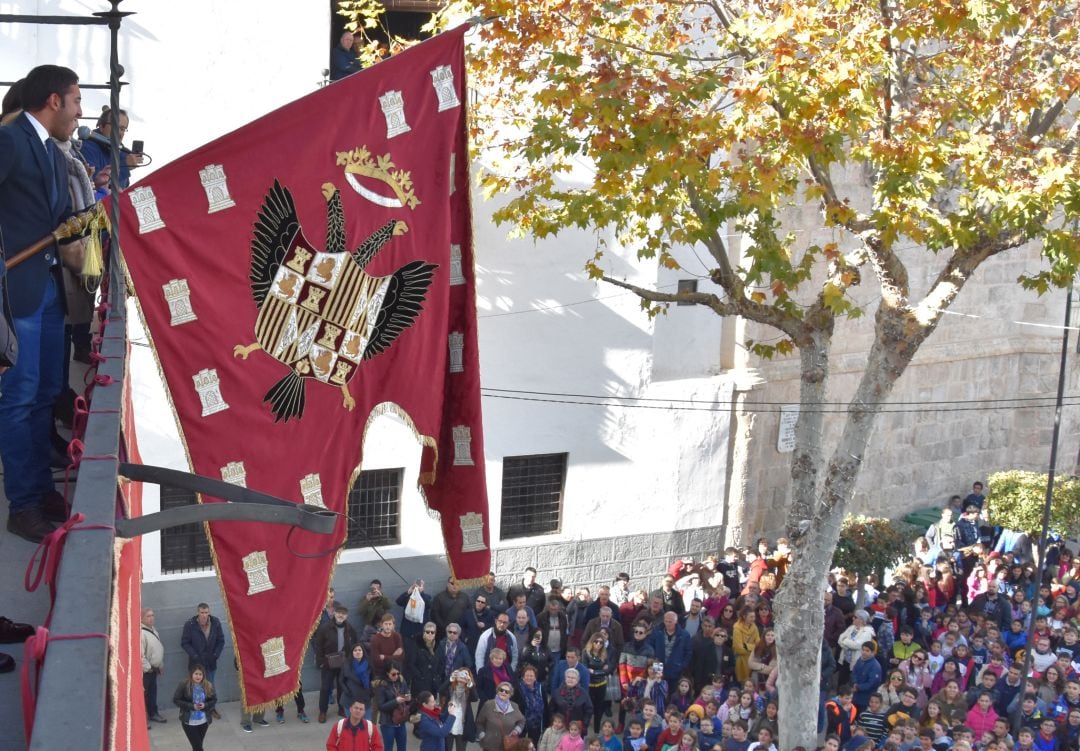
{"points": [[226, 733]]}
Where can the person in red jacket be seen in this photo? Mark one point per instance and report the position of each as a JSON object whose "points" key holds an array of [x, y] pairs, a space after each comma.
{"points": [[354, 733]]}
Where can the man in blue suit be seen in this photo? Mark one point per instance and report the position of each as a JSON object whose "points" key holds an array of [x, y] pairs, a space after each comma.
{"points": [[33, 201]]}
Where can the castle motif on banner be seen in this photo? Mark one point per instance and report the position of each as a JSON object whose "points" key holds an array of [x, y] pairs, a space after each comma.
{"points": [[209, 389], [178, 298], [442, 78], [212, 177], [257, 568], [463, 446], [457, 351], [393, 107], [235, 473], [146, 210], [311, 490], [273, 652], [472, 532]]}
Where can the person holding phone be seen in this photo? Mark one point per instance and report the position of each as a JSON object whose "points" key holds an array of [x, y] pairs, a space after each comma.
{"points": [[97, 148], [196, 698]]}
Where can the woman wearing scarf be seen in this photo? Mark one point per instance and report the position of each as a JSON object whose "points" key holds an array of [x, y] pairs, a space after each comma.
{"points": [[491, 675], [355, 680], [572, 699], [196, 699], [530, 699], [499, 718], [432, 725], [459, 693]]}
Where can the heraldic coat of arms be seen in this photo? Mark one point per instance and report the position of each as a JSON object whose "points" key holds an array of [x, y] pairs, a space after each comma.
{"points": [[320, 313]]}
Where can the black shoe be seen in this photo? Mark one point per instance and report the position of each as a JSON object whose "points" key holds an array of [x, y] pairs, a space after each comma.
{"points": [[64, 408], [54, 507], [7, 663], [14, 633], [59, 459], [29, 525], [158, 718]]}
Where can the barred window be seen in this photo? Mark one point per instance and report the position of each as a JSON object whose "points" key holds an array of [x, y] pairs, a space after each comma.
{"points": [[184, 548], [375, 508], [532, 491], [687, 285]]}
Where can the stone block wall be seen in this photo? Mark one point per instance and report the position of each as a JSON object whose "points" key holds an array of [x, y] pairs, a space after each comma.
{"points": [[593, 562]]}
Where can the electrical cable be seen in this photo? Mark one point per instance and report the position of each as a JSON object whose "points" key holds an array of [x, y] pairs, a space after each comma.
{"points": [[748, 407], [768, 404]]}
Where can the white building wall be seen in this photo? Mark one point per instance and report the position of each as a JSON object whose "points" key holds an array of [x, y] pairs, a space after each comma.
{"points": [[198, 71]]}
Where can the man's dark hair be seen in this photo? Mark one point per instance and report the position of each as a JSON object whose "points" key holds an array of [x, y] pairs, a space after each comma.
{"points": [[44, 81], [530, 569], [13, 98], [106, 116], [202, 605]]}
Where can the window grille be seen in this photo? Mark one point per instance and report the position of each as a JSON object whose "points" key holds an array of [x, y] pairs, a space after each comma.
{"points": [[532, 492], [184, 548], [375, 508]]}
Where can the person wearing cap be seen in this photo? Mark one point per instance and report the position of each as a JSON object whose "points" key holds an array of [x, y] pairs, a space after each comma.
{"points": [[555, 589], [851, 641]]}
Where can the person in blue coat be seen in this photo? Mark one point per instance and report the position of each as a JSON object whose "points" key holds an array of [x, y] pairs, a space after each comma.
{"points": [[34, 200], [433, 726], [865, 676], [673, 646]]}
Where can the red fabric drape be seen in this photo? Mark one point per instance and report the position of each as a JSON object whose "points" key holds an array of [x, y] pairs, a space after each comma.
{"points": [[238, 294]]}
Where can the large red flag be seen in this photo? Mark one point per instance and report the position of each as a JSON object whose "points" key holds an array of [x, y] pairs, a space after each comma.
{"points": [[297, 277]]}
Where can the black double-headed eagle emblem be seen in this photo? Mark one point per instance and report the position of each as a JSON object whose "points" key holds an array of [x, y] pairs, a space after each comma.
{"points": [[320, 313]]}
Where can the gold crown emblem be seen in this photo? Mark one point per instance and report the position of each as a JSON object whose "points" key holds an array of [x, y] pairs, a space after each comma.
{"points": [[359, 161]]}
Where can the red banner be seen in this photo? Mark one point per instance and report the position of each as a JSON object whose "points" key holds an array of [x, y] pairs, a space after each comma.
{"points": [[297, 277]]}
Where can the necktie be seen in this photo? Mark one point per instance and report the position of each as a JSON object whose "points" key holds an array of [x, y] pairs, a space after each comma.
{"points": [[50, 159]]}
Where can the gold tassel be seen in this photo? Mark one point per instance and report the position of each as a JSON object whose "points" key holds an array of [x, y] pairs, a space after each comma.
{"points": [[92, 260]]}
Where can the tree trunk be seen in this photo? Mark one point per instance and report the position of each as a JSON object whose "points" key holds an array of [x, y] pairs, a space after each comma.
{"points": [[816, 514]]}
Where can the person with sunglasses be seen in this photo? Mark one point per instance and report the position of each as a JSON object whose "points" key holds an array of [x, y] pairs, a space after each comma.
{"points": [[478, 619], [499, 718], [634, 662], [394, 700], [424, 669]]}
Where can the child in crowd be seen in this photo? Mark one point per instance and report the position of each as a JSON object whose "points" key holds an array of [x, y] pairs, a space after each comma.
{"points": [[555, 732], [572, 741]]}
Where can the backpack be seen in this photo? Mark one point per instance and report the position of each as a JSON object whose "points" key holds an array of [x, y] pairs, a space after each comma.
{"points": [[341, 726]]}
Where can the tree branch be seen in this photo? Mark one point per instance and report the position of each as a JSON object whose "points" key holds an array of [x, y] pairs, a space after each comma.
{"points": [[723, 274], [748, 309], [891, 272], [956, 272]]}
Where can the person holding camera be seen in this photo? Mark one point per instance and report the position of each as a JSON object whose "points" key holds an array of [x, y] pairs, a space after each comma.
{"points": [[374, 605]]}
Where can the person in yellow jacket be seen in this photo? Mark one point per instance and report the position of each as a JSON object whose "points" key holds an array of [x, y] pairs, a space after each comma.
{"points": [[744, 637]]}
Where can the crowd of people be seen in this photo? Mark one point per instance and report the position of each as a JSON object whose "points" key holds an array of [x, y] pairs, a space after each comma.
{"points": [[933, 661]]}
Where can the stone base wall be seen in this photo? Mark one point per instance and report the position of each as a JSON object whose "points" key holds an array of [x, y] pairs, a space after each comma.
{"points": [[596, 561]]}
